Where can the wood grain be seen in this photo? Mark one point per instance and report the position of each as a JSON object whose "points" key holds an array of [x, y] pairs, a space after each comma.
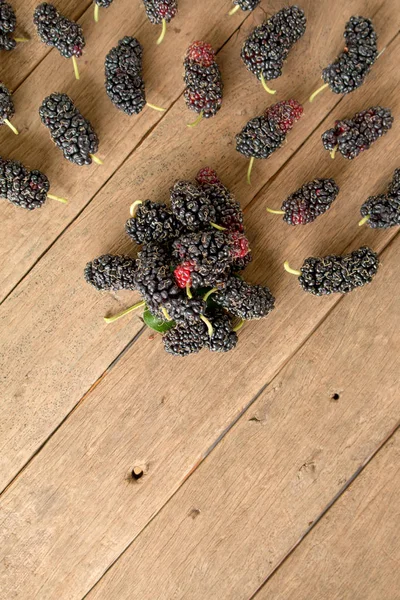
{"points": [[54, 303], [28, 234], [354, 552], [280, 465]]}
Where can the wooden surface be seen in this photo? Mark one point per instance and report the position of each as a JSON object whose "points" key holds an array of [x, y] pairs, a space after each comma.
{"points": [[241, 453]]}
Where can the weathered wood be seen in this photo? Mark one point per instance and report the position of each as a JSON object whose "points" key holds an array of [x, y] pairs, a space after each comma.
{"points": [[354, 552], [27, 235], [234, 520], [55, 307]]}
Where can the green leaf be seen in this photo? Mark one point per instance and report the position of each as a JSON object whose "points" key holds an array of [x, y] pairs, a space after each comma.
{"points": [[157, 324]]}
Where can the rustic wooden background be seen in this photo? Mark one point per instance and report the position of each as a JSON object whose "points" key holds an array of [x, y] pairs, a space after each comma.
{"points": [[271, 472]]}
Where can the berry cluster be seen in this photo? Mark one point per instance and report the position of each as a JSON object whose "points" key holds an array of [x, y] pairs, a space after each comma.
{"points": [[186, 270]]}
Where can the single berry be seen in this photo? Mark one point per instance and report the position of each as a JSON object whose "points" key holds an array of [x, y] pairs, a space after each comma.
{"points": [[186, 339], [223, 338], [351, 67], [383, 211], [56, 30], [7, 110], [352, 136], [70, 131], [309, 202], [228, 212], [267, 47], [246, 4], [8, 23], [153, 222], [244, 300], [123, 72], [191, 206], [338, 274], [108, 272], [203, 93], [159, 10], [22, 187]]}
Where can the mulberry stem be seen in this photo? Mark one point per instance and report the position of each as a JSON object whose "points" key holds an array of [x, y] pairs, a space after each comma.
{"points": [[290, 270], [233, 10], [134, 207], [154, 107], [76, 70], [208, 294], [209, 326], [251, 163], [62, 200], [165, 313], [275, 212], [197, 121], [319, 90], [264, 84], [11, 126], [239, 325], [96, 13], [364, 220], [21, 40], [96, 159], [217, 226], [163, 32], [124, 312], [189, 291], [333, 152]]}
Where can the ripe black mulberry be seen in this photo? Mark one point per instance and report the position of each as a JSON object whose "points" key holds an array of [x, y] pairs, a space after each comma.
{"points": [[186, 339], [267, 47], [160, 10], [153, 222], [110, 272], [228, 212], [24, 188], [245, 300], [191, 206], [123, 72], [246, 4], [352, 136], [383, 211], [56, 30], [203, 81], [223, 338], [71, 132], [8, 23], [6, 104]]}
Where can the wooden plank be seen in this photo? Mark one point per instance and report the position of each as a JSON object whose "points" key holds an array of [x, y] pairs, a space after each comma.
{"points": [[48, 307], [28, 234], [246, 505], [354, 552], [17, 64]]}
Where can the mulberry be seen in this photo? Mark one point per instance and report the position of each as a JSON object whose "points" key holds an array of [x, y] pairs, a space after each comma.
{"points": [[262, 135], [337, 274], [352, 136], [56, 30], [108, 272], [160, 12], [267, 47], [123, 71], [152, 222], [203, 81], [244, 5], [383, 211], [24, 188], [244, 300], [8, 23], [100, 4], [223, 338], [6, 108], [306, 204], [186, 339], [228, 212], [351, 67], [206, 258], [191, 207], [71, 132]]}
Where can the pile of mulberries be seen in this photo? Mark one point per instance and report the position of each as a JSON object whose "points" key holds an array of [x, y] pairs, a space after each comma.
{"points": [[203, 80], [352, 136], [351, 67], [123, 73], [309, 202], [22, 187], [267, 47], [8, 23], [383, 211], [187, 268], [71, 132], [56, 30], [338, 274]]}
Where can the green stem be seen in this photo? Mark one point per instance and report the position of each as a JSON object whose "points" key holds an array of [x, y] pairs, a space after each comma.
{"points": [[124, 312], [96, 13], [96, 159], [163, 32], [217, 226], [134, 208], [208, 294], [11, 126], [364, 220], [249, 170], [189, 291], [53, 197], [165, 313], [289, 269], [76, 70], [154, 107], [209, 326], [197, 121], [239, 325], [233, 10], [266, 88], [275, 212], [319, 90], [333, 152]]}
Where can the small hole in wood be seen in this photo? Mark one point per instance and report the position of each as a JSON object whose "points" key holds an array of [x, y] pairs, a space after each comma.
{"points": [[335, 396], [137, 473]]}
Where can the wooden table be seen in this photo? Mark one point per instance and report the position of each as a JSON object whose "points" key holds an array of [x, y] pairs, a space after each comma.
{"points": [[270, 472]]}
